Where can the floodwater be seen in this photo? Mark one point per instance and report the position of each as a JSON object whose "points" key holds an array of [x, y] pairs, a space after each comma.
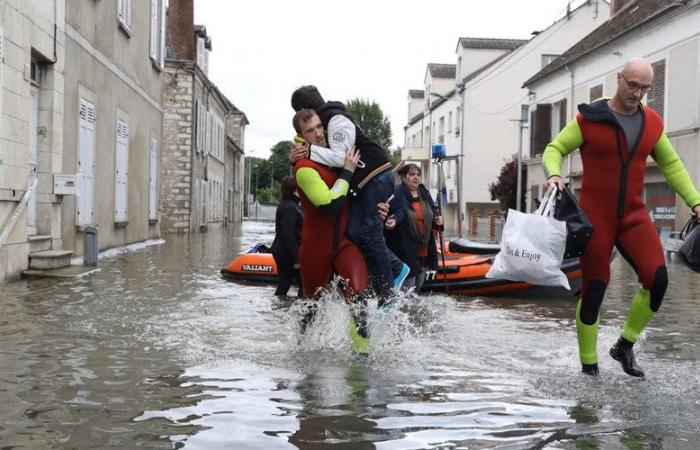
{"points": [[157, 351]]}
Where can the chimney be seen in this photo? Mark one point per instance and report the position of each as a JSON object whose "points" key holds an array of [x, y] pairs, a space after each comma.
{"points": [[617, 5], [181, 29]]}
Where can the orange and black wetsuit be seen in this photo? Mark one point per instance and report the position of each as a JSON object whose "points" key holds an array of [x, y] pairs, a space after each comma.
{"points": [[324, 244], [611, 196]]}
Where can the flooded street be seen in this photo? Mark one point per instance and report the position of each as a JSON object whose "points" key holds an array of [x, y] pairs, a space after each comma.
{"points": [[157, 351]]}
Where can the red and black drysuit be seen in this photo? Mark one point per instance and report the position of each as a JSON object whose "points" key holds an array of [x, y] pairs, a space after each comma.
{"points": [[324, 244], [611, 196]]}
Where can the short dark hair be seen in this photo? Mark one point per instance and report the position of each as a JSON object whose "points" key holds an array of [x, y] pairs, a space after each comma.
{"points": [[302, 116], [287, 187], [307, 97], [403, 171]]}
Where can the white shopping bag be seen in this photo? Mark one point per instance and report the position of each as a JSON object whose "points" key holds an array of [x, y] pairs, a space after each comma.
{"points": [[532, 246]]}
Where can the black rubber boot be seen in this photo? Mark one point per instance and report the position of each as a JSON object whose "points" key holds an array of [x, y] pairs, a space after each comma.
{"points": [[590, 369], [622, 352], [308, 317]]}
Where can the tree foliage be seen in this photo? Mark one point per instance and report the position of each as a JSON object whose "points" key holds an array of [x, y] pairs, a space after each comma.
{"points": [[504, 189], [371, 119], [266, 174]]}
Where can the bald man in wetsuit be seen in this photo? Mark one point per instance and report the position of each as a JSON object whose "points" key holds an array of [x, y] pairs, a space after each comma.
{"points": [[616, 135]]}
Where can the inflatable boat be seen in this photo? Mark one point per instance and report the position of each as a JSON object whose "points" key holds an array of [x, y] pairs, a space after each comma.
{"points": [[463, 273]]}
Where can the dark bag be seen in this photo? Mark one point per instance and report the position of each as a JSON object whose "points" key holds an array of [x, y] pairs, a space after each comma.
{"points": [[578, 228], [690, 249]]}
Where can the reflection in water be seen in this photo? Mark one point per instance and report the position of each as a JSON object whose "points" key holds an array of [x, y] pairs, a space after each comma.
{"points": [[157, 351]]}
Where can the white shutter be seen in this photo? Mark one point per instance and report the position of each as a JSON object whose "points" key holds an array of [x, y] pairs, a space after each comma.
{"points": [[121, 172], [198, 128], [155, 31], [86, 163], [124, 13], [203, 201], [207, 132], [200, 53], [161, 43], [153, 185]]}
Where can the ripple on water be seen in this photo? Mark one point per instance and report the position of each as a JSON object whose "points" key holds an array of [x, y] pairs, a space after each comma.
{"points": [[157, 351]]}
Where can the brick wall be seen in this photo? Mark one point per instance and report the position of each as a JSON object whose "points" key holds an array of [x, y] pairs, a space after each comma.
{"points": [[176, 157]]}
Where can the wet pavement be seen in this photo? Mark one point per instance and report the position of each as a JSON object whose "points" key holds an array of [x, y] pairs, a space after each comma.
{"points": [[157, 351]]}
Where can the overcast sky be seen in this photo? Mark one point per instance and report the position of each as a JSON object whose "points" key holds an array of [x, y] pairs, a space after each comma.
{"points": [[373, 49]]}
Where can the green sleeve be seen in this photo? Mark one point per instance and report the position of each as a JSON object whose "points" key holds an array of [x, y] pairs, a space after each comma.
{"points": [[568, 140], [674, 171], [327, 200]]}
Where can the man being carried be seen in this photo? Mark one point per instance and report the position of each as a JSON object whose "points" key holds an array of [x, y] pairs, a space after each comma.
{"points": [[615, 137], [373, 179]]}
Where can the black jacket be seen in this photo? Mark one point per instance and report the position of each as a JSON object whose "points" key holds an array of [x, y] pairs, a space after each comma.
{"points": [[288, 220], [372, 155], [399, 239]]}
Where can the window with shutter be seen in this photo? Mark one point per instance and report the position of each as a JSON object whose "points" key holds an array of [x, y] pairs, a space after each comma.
{"points": [[203, 200], [532, 133], [197, 127], [595, 93], [86, 163], [161, 43], [562, 114], [124, 13], [121, 171], [200, 53], [540, 128], [153, 182], [655, 96], [155, 32]]}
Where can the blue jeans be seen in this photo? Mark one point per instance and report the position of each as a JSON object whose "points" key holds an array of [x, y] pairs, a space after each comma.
{"points": [[366, 229]]}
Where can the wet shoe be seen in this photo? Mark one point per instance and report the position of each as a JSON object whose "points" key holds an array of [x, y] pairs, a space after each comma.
{"points": [[590, 369], [358, 336], [400, 278], [308, 317], [623, 353]]}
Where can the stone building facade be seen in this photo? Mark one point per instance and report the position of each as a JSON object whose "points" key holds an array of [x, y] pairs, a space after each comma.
{"points": [[113, 121], [203, 140]]}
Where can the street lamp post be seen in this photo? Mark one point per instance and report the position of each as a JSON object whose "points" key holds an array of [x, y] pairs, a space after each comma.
{"points": [[460, 156]]}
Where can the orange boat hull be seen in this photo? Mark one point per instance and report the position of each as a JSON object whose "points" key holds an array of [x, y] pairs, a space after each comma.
{"points": [[462, 274]]}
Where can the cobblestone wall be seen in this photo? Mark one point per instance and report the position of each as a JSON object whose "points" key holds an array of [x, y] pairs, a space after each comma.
{"points": [[176, 159]]}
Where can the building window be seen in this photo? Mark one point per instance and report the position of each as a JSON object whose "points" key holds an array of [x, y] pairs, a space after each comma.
{"points": [[540, 128], [449, 123], [35, 72], [202, 55], [595, 93], [558, 116], [85, 176], [121, 172], [458, 121], [548, 58], [655, 97], [124, 14], [157, 41], [441, 130], [153, 182]]}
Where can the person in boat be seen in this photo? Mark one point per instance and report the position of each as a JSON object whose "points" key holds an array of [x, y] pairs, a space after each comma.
{"points": [[325, 247], [616, 135], [285, 247], [373, 181], [411, 226]]}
